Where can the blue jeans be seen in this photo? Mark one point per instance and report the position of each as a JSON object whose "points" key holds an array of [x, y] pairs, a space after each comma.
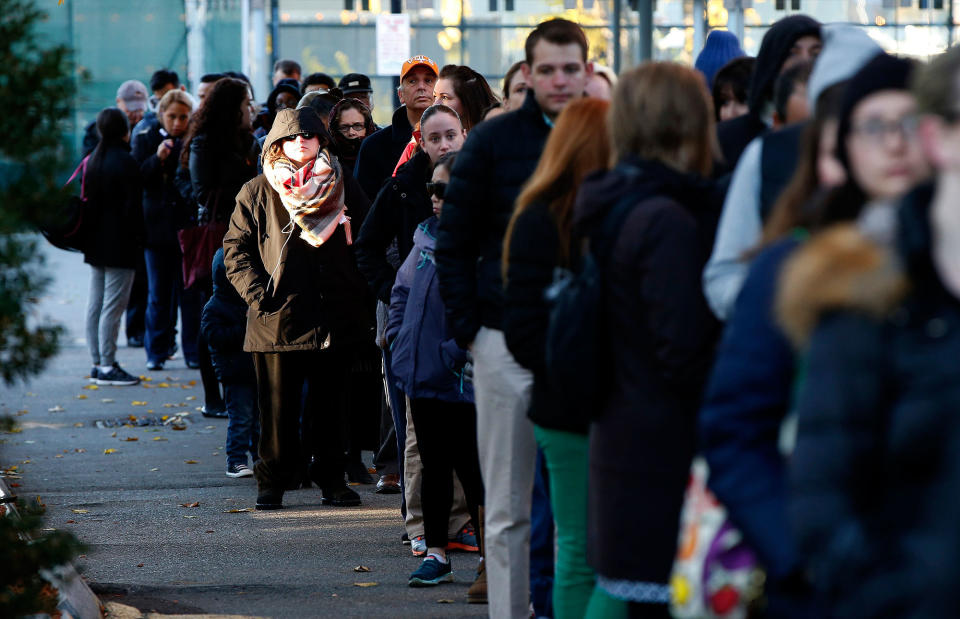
{"points": [[243, 425], [541, 542], [165, 296]]}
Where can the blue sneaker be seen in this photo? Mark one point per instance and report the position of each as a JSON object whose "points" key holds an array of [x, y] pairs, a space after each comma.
{"points": [[465, 540], [431, 572]]}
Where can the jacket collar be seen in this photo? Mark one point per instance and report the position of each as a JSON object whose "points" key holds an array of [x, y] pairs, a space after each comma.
{"points": [[532, 110], [400, 128]]}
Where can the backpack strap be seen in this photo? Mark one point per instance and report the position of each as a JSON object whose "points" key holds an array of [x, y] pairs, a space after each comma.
{"points": [[82, 170]]}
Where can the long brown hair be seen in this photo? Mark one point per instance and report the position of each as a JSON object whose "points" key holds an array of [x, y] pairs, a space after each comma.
{"points": [[578, 145]]}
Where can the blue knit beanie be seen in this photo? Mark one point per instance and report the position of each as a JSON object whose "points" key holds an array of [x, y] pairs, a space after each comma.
{"points": [[721, 47]]}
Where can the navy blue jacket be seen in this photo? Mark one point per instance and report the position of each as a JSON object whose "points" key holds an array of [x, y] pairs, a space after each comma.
{"points": [[380, 153], [164, 210], [224, 325], [426, 360]]}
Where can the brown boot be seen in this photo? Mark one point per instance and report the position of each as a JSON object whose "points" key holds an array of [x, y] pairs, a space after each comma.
{"points": [[477, 593]]}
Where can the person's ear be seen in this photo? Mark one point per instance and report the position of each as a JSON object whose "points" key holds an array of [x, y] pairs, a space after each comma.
{"points": [[400, 95], [588, 68], [929, 132], [183, 88], [422, 144], [526, 72]]}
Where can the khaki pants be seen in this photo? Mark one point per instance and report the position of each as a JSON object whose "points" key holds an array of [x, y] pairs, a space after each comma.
{"points": [[508, 455], [412, 469]]}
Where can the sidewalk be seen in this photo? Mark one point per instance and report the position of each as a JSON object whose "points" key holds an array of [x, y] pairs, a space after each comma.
{"points": [[128, 492]]}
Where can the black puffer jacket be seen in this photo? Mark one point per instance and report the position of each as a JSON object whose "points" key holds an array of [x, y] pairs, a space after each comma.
{"points": [[400, 207], [317, 298], [875, 496], [736, 133], [113, 219], [494, 163], [381, 151], [164, 210], [224, 324], [534, 255], [660, 335]]}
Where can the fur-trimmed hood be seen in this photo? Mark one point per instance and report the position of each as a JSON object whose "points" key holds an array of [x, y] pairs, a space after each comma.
{"points": [[838, 269]]}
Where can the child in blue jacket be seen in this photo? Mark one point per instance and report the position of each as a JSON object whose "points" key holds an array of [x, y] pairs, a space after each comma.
{"points": [[223, 325], [434, 373]]}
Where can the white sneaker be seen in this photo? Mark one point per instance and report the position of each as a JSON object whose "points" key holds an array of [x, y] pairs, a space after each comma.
{"points": [[239, 470]]}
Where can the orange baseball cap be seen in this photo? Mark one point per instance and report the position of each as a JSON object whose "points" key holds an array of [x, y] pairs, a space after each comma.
{"points": [[418, 61]]}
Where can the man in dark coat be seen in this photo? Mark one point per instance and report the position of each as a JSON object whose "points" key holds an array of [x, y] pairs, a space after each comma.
{"points": [[497, 158], [796, 36], [381, 151]]}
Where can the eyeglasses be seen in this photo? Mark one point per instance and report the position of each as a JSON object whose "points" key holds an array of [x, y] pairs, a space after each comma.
{"points": [[305, 135], [877, 131], [356, 127], [436, 189]]}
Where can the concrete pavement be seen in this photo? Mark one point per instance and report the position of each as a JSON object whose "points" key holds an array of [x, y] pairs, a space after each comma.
{"points": [[127, 492]]}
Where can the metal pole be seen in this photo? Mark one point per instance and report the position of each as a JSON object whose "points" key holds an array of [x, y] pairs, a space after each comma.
{"points": [[645, 26], [617, 5], [395, 7], [245, 37], [274, 33], [259, 73], [699, 26], [196, 15]]}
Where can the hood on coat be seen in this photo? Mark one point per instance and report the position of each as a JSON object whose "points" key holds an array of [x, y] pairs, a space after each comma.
{"points": [[291, 122], [222, 288], [838, 269], [425, 236], [641, 178], [774, 50]]}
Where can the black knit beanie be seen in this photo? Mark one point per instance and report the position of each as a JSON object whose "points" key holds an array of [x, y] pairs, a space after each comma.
{"points": [[884, 72]]}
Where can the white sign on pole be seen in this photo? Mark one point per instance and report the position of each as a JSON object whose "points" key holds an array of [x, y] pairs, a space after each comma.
{"points": [[393, 42]]}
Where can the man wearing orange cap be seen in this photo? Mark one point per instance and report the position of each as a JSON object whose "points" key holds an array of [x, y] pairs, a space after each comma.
{"points": [[380, 152]]}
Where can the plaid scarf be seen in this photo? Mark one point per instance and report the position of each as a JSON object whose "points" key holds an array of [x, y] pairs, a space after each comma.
{"points": [[312, 195]]}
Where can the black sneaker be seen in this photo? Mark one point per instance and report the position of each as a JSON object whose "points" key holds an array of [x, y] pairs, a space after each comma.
{"points": [[239, 470], [216, 413], [116, 376], [270, 499], [340, 496], [94, 373], [154, 366]]}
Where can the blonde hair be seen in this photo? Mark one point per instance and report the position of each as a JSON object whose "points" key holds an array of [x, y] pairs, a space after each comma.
{"points": [[175, 96], [662, 111]]}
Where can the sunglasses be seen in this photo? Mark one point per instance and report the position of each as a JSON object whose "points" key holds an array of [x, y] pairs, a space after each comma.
{"points": [[436, 189], [306, 136]]}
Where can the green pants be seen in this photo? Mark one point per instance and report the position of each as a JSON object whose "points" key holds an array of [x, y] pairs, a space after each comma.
{"points": [[566, 454]]}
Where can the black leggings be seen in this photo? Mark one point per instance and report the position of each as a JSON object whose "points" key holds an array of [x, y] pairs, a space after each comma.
{"points": [[447, 440]]}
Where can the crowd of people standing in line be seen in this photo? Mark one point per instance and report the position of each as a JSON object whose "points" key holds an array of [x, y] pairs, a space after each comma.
{"points": [[775, 244]]}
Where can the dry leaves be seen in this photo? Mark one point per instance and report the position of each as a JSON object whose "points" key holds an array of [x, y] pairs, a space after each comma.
{"points": [[194, 504], [107, 452], [81, 396], [91, 387], [56, 409], [191, 462], [80, 511], [238, 511], [107, 400], [138, 403], [365, 584], [361, 568], [131, 439]]}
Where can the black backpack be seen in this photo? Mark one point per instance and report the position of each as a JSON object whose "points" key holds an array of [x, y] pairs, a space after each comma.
{"points": [[64, 229], [578, 362]]}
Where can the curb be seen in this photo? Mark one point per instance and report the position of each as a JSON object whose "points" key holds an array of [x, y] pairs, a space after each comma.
{"points": [[76, 600]]}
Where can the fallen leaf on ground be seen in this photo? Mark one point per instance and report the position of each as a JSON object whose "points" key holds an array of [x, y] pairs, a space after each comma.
{"points": [[31, 394], [56, 409], [138, 403], [131, 439], [80, 450], [237, 511], [192, 383], [139, 564], [209, 531], [191, 462], [168, 405], [146, 379], [80, 511], [154, 469], [194, 504], [23, 412], [189, 516], [71, 522], [179, 426], [113, 435], [78, 425], [191, 397], [109, 451], [58, 456], [446, 602], [165, 417], [82, 396], [361, 568], [160, 438], [365, 584], [107, 400], [14, 485], [91, 387], [164, 385]]}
